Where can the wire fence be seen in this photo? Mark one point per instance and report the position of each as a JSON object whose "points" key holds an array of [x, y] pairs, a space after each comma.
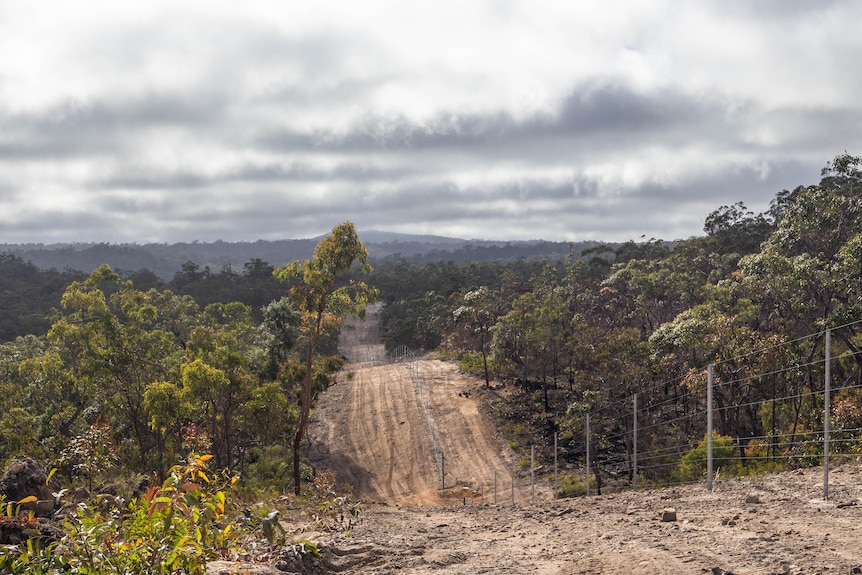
{"points": [[741, 416], [517, 484], [773, 409]]}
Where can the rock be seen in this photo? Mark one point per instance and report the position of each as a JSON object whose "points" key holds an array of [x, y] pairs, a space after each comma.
{"points": [[80, 494], [17, 530], [668, 514], [755, 499], [232, 567], [26, 477]]}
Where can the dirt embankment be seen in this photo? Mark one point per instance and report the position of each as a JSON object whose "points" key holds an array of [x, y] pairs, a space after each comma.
{"points": [[383, 428]]}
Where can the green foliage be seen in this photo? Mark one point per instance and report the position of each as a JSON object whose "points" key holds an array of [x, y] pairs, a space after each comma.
{"points": [[91, 454], [267, 469], [331, 509], [28, 296], [847, 416], [806, 449], [18, 436], [471, 362], [725, 457], [175, 528], [760, 457], [573, 485], [281, 322]]}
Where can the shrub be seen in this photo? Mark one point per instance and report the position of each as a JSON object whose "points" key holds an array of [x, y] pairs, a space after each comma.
{"points": [[268, 469], [806, 449], [175, 528], [694, 463], [471, 362], [759, 458], [574, 486]]}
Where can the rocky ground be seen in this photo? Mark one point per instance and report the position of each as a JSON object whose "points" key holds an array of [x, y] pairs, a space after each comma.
{"points": [[771, 525]]}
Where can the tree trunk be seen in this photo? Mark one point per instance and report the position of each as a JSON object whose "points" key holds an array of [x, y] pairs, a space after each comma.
{"points": [[485, 358], [305, 400], [598, 477]]}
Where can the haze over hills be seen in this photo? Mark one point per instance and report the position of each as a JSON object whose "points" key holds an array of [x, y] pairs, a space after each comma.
{"points": [[165, 260]]}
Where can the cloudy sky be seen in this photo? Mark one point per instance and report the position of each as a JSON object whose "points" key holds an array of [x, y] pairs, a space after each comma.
{"points": [[489, 119]]}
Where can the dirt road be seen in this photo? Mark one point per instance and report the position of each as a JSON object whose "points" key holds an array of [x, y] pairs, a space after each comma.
{"points": [[404, 432], [375, 431]]}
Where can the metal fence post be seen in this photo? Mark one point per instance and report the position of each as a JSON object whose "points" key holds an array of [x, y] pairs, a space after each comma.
{"points": [[709, 427], [827, 412], [533, 473], [555, 460], [635, 443], [495, 487], [587, 478]]}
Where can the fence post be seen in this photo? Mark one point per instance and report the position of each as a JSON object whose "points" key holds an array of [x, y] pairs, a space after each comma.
{"points": [[588, 454], [442, 471], [533, 473], [635, 443], [555, 461], [513, 484], [827, 412], [709, 427], [495, 487]]}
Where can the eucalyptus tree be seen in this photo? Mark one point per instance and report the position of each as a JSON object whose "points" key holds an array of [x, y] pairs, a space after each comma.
{"points": [[104, 350], [18, 433], [281, 321], [216, 374], [807, 276], [736, 229], [323, 303], [478, 313]]}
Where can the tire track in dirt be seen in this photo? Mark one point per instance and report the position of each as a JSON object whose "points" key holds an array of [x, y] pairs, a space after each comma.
{"points": [[379, 433]]}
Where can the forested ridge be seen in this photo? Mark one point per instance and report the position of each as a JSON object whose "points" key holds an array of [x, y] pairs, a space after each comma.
{"points": [[149, 369], [165, 260]]}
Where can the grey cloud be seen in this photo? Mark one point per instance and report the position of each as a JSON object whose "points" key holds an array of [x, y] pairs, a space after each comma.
{"points": [[615, 108], [77, 128], [153, 179], [306, 172], [603, 110], [565, 209], [139, 177], [50, 226], [144, 110]]}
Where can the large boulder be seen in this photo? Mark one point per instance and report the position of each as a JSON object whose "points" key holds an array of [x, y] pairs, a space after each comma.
{"points": [[26, 477]]}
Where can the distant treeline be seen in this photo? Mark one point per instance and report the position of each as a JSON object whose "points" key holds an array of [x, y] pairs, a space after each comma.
{"points": [[33, 277], [165, 260]]}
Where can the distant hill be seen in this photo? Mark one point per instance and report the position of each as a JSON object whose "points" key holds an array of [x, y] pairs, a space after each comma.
{"points": [[165, 260]]}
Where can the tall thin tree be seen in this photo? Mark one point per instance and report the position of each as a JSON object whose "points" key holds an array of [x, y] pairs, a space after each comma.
{"points": [[323, 305]]}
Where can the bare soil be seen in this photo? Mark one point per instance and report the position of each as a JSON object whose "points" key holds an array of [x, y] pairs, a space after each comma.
{"points": [[382, 429]]}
